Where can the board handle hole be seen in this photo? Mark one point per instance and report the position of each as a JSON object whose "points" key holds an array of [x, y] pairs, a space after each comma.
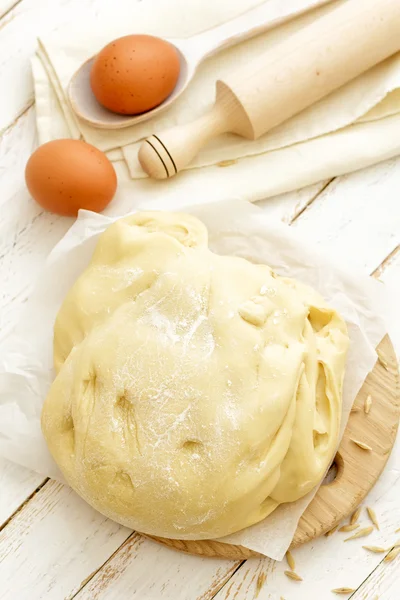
{"points": [[335, 470]]}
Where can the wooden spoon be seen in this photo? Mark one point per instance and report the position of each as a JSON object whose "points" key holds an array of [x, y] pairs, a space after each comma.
{"points": [[192, 51]]}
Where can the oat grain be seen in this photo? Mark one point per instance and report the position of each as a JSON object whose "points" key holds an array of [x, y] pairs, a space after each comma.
{"points": [[362, 533], [349, 527], [290, 560], [361, 445], [392, 554], [375, 549], [372, 516], [355, 516], [293, 575]]}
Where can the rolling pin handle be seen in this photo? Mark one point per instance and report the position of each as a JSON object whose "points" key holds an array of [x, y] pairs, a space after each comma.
{"points": [[164, 155]]}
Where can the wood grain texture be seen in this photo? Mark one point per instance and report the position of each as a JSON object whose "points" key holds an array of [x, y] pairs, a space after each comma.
{"points": [[6, 6], [39, 545], [16, 485], [127, 574], [356, 218], [289, 206], [358, 469], [385, 575]]}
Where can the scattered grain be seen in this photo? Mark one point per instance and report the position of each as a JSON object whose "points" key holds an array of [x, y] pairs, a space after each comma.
{"points": [[290, 560], [372, 516], [343, 590], [355, 409], [361, 445], [362, 533], [367, 404], [355, 516], [226, 163], [293, 575], [376, 549], [392, 554], [397, 530], [382, 361], [260, 582], [331, 531], [349, 527]]}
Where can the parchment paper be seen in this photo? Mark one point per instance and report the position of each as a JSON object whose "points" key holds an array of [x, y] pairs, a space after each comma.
{"points": [[235, 227]]}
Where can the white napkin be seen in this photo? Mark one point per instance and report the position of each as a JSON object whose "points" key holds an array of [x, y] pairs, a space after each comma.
{"points": [[354, 127], [26, 363]]}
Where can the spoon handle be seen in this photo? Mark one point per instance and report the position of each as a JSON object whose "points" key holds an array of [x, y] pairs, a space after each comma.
{"points": [[247, 25], [281, 82]]}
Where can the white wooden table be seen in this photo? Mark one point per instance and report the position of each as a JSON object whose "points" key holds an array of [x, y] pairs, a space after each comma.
{"points": [[52, 545]]}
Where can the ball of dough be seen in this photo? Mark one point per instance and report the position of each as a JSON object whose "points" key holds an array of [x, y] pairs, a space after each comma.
{"points": [[194, 392]]}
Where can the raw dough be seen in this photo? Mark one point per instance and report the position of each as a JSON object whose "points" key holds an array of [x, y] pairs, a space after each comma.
{"points": [[195, 392]]}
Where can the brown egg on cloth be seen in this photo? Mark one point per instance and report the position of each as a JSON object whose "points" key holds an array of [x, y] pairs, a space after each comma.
{"points": [[134, 74], [66, 175]]}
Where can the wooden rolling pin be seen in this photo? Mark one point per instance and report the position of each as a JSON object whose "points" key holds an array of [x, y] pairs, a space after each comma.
{"points": [[283, 81]]}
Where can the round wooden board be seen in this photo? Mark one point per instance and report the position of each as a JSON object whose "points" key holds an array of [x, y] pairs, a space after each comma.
{"points": [[357, 469]]}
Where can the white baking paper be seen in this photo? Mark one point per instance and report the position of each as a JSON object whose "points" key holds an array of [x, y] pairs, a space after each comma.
{"points": [[236, 228]]}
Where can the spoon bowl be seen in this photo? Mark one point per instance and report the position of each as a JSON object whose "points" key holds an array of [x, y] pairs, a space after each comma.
{"points": [[88, 109]]}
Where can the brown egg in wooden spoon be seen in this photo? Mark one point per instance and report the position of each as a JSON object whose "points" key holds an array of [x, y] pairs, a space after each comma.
{"points": [[183, 58]]}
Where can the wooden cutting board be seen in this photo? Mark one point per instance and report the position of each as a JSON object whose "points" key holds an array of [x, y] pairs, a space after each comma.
{"points": [[357, 469]]}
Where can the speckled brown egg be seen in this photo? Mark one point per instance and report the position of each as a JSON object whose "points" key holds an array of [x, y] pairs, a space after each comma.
{"points": [[66, 175], [134, 74]]}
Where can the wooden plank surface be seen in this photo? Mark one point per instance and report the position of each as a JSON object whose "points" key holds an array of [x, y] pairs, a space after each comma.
{"points": [[16, 485], [384, 579], [178, 576], [357, 217], [55, 545], [51, 553]]}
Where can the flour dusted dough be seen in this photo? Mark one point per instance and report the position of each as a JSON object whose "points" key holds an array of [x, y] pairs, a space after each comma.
{"points": [[194, 392]]}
